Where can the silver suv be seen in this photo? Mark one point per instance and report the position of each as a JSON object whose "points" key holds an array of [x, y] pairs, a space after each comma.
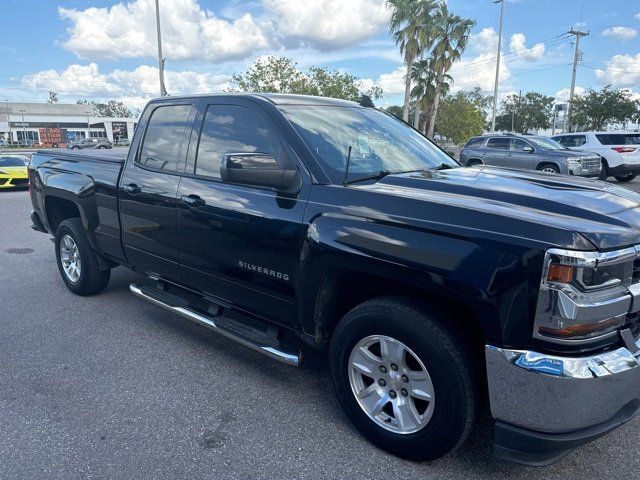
{"points": [[529, 152]]}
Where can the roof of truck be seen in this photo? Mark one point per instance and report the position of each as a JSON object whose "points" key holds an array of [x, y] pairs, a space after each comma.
{"points": [[275, 98]]}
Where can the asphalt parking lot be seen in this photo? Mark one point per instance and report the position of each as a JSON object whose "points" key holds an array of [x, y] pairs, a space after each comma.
{"points": [[113, 387]]}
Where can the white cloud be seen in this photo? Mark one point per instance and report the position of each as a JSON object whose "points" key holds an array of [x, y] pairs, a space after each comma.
{"points": [[392, 82], [563, 94], [479, 71], [328, 24], [621, 33], [518, 46], [621, 71], [637, 15], [485, 42], [134, 87], [127, 30]]}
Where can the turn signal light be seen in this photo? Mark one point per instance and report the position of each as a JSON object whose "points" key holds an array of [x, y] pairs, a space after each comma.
{"points": [[560, 273], [583, 330]]}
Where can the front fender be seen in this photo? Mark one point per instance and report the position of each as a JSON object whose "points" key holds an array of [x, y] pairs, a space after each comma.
{"points": [[492, 279]]}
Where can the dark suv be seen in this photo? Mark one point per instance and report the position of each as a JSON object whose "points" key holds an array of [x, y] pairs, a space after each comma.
{"points": [[529, 152]]}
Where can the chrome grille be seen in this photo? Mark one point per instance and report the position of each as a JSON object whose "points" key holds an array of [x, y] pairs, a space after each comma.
{"points": [[590, 163]]}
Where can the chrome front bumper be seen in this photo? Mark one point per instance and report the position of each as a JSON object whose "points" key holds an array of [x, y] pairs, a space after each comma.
{"points": [[549, 396]]}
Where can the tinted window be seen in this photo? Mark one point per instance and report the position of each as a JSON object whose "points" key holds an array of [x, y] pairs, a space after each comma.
{"points": [[632, 139], [233, 129], [611, 139], [474, 142], [570, 141], [499, 143], [163, 138]]}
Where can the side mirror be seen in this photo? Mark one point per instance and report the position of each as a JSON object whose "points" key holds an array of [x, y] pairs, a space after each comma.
{"points": [[260, 170], [528, 149]]}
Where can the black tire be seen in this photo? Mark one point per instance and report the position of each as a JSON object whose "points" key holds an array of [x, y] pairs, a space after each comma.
{"points": [[626, 178], [75, 148], [549, 166], [91, 279], [473, 163], [456, 401], [604, 173]]}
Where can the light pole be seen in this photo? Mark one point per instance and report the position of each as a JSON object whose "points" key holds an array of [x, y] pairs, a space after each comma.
{"points": [[24, 127], [88, 124], [495, 88], [6, 102], [163, 90]]}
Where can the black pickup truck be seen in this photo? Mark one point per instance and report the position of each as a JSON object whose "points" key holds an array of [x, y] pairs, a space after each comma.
{"points": [[279, 220]]}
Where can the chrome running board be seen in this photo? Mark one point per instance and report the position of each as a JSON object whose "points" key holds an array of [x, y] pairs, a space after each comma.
{"points": [[288, 357]]}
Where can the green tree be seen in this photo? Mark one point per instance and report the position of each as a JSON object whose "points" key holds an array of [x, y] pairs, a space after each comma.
{"points": [[395, 110], [450, 37], [459, 118], [424, 89], [281, 75], [411, 26], [53, 97], [480, 100], [532, 111], [596, 108], [110, 108]]}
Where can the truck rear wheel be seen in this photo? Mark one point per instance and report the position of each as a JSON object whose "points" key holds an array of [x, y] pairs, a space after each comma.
{"points": [[77, 262], [402, 379]]}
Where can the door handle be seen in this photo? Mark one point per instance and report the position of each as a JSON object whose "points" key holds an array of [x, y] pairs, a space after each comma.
{"points": [[193, 200], [132, 189]]}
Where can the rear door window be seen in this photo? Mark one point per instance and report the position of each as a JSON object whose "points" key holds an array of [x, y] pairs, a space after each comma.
{"points": [[611, 138], [163, 137], [499, 143]]}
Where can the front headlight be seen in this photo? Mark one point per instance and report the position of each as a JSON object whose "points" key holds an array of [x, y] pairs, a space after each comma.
{"points": [[584, 296]]}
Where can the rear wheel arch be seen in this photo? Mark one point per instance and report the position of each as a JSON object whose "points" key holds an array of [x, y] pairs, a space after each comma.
{"points": [[474, 161], [58, 209]]}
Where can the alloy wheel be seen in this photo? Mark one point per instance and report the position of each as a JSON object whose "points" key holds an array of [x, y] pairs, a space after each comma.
{"points": [[70, 257], [391, 384]]}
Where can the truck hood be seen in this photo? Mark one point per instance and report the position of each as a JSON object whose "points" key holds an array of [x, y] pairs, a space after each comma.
{"points": [[523, 203]]}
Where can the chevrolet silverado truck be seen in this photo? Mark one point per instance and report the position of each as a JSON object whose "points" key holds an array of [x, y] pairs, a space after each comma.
{"points": [[440, 292]]}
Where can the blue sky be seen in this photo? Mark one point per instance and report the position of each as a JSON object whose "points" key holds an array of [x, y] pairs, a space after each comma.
{"points": [[105, 49]]}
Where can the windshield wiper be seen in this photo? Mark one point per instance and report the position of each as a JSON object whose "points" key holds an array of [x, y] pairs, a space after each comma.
{"points": [[376, 176], [381, 174]]}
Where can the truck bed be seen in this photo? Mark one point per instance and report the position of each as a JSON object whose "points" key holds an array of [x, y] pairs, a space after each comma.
{"points": [[115, 155]]}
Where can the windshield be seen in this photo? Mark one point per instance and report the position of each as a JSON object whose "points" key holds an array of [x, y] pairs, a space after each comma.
{"points": [[546, 143], [12, 162], [379, 142]]}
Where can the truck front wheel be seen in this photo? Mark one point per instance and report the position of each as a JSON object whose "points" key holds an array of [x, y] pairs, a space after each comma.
{"points": [[77, 262], [402, 379]]}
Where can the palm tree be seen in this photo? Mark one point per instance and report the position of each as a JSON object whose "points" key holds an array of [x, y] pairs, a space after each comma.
{"points": [[410, 25], [450, 34], [423, 91]]}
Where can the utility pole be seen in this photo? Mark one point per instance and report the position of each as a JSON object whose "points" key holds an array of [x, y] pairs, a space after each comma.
{"points": [[576, 54], [163, 90], [495, 88], [6, 102], [88, 124], [24, 127]]}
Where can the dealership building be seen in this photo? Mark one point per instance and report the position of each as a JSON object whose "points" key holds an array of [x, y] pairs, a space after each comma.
{"points": [[56, 124]]}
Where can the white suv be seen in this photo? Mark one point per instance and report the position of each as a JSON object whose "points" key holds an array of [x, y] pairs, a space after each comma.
{"points": [[620, 152]]}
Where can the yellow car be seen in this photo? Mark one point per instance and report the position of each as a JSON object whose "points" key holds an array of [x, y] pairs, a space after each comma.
{"points": [[13, 171]]}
